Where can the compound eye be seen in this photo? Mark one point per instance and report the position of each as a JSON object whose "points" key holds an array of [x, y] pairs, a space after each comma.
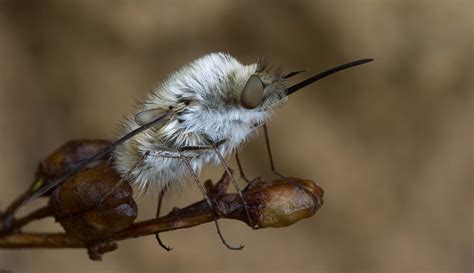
{"points": [[252, 95]]}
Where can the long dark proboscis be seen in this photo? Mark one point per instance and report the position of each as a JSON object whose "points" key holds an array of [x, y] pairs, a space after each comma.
{"points": [[324, 74]]}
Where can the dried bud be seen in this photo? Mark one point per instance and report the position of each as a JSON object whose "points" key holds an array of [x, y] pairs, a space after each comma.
{"points": [[282, 203], [63, 160], [91, 205]]}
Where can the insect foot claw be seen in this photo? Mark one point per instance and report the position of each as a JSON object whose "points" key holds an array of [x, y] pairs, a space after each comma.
{"points": [[241, 246], [165, 247]]}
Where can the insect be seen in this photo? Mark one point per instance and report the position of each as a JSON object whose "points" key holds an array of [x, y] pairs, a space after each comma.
{"points": [[200, 114]]}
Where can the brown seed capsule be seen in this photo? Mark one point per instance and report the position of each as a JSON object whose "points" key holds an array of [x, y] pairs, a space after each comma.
{"points": [[282, 203], [63, 159], [91, 205]]}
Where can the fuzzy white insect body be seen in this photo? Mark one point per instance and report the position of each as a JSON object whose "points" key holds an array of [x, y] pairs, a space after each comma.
{"points": [[205, 101]]}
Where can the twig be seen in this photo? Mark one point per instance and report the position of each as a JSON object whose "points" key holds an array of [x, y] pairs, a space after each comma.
{"points": [[40, 213], [271, 204], [196, 214]]}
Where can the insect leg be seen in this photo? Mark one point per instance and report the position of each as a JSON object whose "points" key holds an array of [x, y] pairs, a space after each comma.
{"points": [[294, 73], [241, 170], [272, 164], [125, 177], [227, 169], [209, 203], [158, 209], [269, 150], [239, 163], [214, 146], [202, 147]]}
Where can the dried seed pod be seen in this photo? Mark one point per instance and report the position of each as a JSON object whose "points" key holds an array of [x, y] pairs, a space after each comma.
{"points": [[91, 205], [63, 159], [281, 203], [61, 162]]}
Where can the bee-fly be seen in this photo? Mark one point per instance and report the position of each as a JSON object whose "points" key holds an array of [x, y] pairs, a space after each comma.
{"points": [[200, 114]]}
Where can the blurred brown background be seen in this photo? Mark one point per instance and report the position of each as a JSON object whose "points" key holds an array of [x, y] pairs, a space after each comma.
{"points": [[390, 142]]}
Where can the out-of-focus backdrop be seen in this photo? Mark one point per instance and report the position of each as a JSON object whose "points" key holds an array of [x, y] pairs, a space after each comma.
{"points": [[390, 142]]}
